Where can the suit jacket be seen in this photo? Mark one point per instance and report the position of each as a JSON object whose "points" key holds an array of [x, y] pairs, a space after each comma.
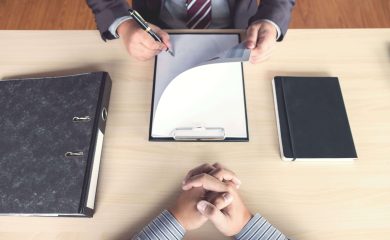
{"points": [[245, 12]]}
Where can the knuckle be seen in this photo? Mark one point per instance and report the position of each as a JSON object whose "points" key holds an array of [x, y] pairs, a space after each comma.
{"points": [[252, 32], [219, 202], [218, 165], [218, 173], [251, 27], [230, 186], [210, 210], [206, 165], [153, 45], [139, 32], [203, 176]]}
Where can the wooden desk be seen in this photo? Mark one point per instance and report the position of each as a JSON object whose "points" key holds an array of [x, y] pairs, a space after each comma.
{"points": [[138, 178]]}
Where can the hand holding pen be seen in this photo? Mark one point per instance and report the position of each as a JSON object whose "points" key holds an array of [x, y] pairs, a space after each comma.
{"points": [[139, 43], [145, 26]]}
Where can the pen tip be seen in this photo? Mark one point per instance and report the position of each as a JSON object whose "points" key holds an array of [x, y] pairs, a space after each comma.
{"points": [[170, 52]]}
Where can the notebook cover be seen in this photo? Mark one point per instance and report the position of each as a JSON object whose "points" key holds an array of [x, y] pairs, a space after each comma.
{"points": [[170, 139], [315, 118], [37, 129], [282, 119]]}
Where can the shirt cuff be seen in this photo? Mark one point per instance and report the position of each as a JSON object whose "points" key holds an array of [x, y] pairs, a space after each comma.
{"points": [[114, 26], [163, 227], [278, 31], [259, 228]]}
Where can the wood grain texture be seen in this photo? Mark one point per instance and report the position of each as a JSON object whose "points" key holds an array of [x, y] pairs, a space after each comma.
{"points": [[74, 14], [341, 14], [45, 14], [138, 178]]}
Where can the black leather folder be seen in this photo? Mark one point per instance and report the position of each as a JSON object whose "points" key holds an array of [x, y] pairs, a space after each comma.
{"points": [[51, 136], [312, 120]]}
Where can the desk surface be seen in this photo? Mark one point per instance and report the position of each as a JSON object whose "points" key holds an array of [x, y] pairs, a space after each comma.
{"points": [[138, 178]]}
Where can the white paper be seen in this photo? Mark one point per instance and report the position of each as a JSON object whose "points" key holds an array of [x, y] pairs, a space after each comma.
{"points": [[95, 171], [201, 86]]}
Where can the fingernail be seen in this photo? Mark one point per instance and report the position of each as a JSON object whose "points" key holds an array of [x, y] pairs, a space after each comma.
{"points": [[227, 197], [201, 206]]}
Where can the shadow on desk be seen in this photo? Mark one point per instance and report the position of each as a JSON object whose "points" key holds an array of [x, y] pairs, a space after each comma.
{"points": [[388, 49], [272, 74], [388, 60], [58, 73]]}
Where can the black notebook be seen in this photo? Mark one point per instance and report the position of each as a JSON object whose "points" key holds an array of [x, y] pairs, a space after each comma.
{"points": [[311, 119], [51, 136]]}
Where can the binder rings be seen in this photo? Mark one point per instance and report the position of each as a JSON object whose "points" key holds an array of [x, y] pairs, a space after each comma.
{"points": [[311, 119], [51, 137], [199, 94]]}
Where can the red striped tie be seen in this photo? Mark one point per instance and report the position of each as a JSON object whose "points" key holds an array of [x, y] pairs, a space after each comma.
{"points": [[198, 13]]}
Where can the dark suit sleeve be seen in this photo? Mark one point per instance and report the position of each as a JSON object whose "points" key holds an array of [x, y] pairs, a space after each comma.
{"points": [[106, 11], [278, 11]]}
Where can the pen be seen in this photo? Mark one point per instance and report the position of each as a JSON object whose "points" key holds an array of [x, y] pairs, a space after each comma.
{"points": [[145, 26]]}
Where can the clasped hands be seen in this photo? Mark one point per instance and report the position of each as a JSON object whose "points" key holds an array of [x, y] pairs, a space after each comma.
{"points": [[210, 192]]}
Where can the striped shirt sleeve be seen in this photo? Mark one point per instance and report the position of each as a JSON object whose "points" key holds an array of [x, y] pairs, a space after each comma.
{"points": [[258, 228], [163, 227]]}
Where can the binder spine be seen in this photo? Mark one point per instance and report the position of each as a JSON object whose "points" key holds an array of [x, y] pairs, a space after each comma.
{"points": [[88, 199]]}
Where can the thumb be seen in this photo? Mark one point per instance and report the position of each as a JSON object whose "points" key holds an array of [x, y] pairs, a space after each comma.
{"points": [[252, 35], [213, 214]]}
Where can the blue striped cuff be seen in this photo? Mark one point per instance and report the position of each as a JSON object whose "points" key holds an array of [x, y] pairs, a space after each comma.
{"points": [[163, 227], [259, 228]]}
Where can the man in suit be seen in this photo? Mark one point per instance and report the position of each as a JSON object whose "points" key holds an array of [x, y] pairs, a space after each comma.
{"points": [[265, 24], [210, 192]]}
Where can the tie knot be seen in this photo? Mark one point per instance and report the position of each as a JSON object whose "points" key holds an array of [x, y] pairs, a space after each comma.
{"points": [[198, 14]]}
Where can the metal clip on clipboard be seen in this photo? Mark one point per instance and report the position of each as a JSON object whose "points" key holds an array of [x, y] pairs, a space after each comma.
{"points": [[199, 134]]}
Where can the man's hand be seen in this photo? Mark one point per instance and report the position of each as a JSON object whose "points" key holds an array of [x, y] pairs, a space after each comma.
{"points": [[139, 43], [185, 208], [261, 38], [229, 219], [216, 170]]}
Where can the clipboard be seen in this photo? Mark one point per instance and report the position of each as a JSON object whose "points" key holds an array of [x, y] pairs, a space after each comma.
{"points": [[174, 79]]}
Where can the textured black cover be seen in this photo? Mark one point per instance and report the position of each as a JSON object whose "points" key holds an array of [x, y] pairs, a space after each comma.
{"points": [[312, 118], [36, 130]]}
